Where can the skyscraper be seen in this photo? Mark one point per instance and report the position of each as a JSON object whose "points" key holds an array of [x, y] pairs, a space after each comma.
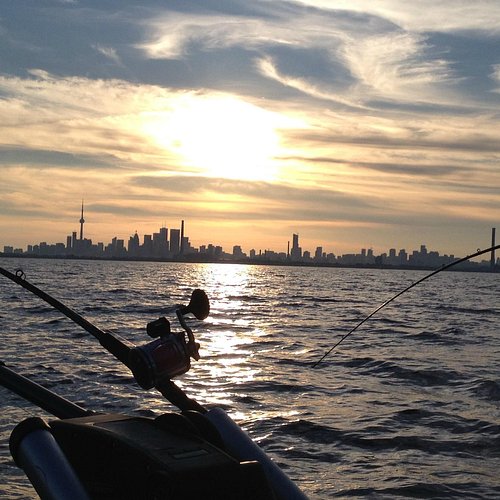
{"points": [[134, 245], [182, 238], [296, 252], [164, 242], [175, 242]]}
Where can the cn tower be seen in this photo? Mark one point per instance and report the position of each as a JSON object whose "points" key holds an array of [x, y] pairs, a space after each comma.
{"points": [[82, 221]]}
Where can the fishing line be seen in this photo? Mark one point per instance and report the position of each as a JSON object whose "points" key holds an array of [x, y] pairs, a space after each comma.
{"points": [[447, 266]]}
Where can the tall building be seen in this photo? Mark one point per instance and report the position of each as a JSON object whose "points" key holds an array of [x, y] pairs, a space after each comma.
{"points": [[164, 234], [182, 238], [238, 252], [185, 245], [163, 242], [492, 260], [175, 242], [296, 252], [403, 257], [82, 221], [147, 246], [134, 245]]}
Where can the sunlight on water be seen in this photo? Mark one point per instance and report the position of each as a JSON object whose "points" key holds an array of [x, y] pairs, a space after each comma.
{"points": [[226, 337]]}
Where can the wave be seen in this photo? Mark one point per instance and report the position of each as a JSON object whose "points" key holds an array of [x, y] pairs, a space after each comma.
{"points": [[476, 311], [119, 291], [278, 387], [38, 309], [385, 440], [451, 423], [447, 336], [468, 490], [486, 389], [417, 376]]}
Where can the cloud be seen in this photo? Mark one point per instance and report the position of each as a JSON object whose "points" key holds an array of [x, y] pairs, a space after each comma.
{"points": [[395, 66], [495, 76], [269, 68], [121, 210], [39, 157], [81, 116], [352, 55], [407, 169], [266, 200], [257, 201], [433, 138], [424, 15], [172, 35], [109, 53]]}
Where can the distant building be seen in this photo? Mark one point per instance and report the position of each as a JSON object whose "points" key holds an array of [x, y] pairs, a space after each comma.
{"points": [[160, 244], [175, 242], [147, 246], [186, 246], [82, 221], [296, 252], [134, 245], [238, 252], [403, 257], [318, 254]]}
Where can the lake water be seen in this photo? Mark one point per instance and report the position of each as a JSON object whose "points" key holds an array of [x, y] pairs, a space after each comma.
{"points": [[407, 407]]}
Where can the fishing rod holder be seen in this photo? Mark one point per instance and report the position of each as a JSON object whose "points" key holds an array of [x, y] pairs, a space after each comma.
{"points": [[169, 355]]}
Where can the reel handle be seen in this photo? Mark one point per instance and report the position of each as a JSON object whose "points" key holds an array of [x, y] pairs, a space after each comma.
{"points": [[199, 305]]}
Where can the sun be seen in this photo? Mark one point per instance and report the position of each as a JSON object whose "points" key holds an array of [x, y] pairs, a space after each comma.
{"points": [[221, 136]]}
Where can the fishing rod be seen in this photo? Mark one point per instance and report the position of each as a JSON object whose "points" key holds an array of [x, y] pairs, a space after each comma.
{"points": [[436, 271], [118, 347], [153, 364]]}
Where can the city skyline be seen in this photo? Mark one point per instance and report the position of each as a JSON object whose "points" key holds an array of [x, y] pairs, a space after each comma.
{"points": [[352, 123], [174, 244], [266, 248]]}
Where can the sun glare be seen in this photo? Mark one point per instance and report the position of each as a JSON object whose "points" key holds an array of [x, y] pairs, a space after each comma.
{"points": [[221, 136]]}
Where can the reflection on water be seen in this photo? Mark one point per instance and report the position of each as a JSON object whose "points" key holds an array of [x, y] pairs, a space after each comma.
{"points": [[224, 336]]}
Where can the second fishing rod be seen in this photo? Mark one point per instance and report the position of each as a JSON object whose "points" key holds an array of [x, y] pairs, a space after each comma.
{"points": [[394, 297]]}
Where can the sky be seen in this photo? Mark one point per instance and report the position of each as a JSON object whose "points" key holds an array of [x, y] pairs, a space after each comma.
{"points": [[356, 124]]}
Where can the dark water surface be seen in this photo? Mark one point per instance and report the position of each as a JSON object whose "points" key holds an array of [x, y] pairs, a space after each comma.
{"points": [[407, 407]]}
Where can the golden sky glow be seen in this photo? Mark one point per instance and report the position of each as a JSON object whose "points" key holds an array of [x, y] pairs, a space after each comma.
{"points": [[355, 124], [219, 136]]}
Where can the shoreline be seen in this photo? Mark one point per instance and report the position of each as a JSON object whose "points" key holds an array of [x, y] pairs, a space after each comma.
{"points": [[196, 259]]}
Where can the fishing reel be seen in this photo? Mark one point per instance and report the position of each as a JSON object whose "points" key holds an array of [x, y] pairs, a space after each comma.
{"points": [[170, 354]]}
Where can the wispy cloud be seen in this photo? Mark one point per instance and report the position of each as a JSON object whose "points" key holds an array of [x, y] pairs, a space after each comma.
{"points": [[397, 67], [78, 115], [425, 15], [108, 52], [495, 75]]}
